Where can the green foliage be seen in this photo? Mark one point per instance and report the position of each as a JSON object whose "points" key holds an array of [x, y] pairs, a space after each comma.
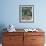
{"points": [[26, 11]]}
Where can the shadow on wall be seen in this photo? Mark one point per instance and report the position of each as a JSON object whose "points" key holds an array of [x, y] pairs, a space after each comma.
{"points": [[2, 26]]}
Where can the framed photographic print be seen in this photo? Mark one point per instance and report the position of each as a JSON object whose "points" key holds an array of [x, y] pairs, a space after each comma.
{"points": [[26, 13]]}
